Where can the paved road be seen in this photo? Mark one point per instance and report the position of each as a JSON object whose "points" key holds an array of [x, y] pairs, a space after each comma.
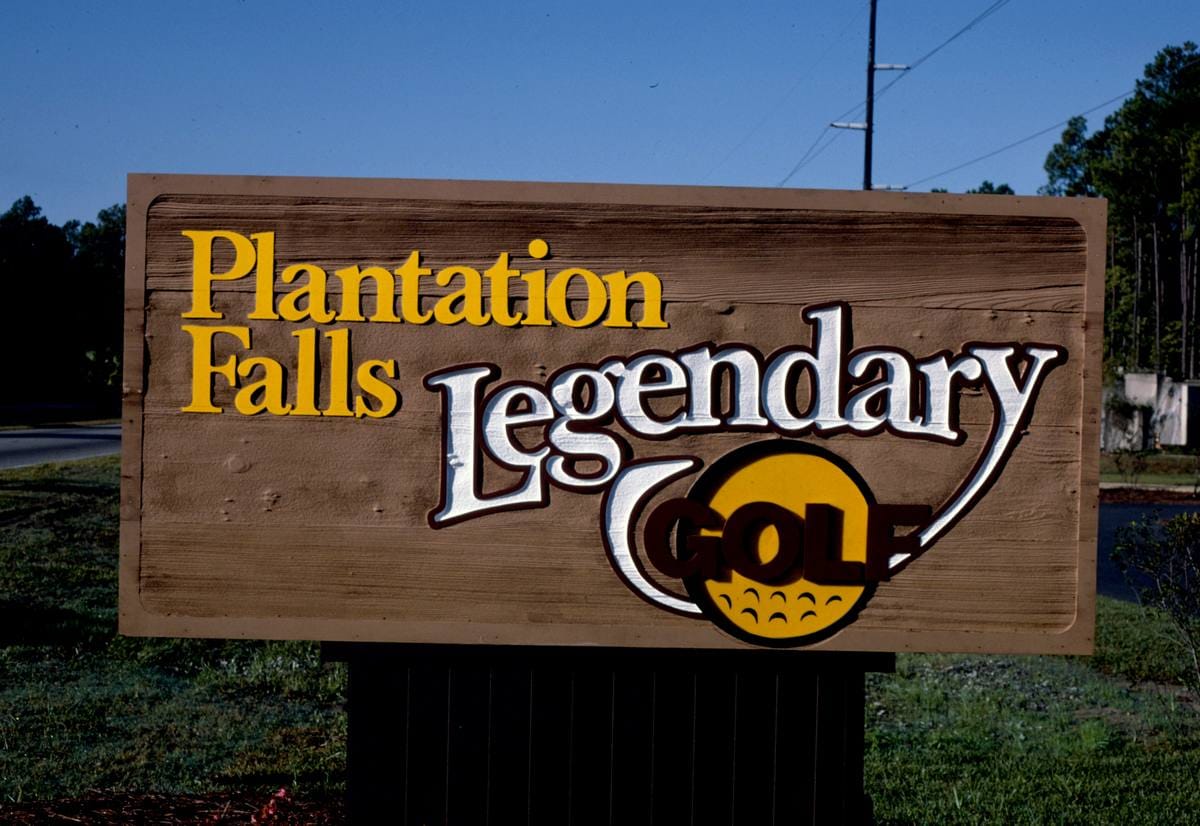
{"points": [[1109, 581], [37, 445]]}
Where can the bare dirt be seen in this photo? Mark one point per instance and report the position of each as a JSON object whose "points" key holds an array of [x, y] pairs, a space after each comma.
{"points": [[278, 809]]}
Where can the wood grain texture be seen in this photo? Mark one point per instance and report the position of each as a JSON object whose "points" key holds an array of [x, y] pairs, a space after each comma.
{"points": [[298, 527], [784, 256]]}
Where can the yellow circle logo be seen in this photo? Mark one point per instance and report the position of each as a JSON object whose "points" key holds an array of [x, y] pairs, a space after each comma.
{"points": [[793, 605], [771, 542]]}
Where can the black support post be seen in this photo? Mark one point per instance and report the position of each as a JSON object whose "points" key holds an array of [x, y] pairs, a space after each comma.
{"points": [[500, 735]]}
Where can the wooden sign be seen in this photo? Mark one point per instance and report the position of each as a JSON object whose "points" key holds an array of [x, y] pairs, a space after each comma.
{"points": [[456, 412]]}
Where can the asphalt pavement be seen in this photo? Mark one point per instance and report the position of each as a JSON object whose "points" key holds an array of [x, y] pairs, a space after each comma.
{"points": [[64, 443], [1109, 581]]}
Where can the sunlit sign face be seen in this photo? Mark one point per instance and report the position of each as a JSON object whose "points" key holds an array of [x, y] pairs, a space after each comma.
{"points": [[653, 417]]}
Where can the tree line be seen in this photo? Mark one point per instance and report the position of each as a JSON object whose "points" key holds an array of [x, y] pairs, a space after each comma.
{"points": [[63, 333], [1146, 162]]}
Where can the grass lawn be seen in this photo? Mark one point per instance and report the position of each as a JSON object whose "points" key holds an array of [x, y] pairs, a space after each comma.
{"points": [[83, 709], [988, 739], [971, 739]]}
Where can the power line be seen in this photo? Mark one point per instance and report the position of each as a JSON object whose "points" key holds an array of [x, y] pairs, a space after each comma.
{"points": [[812, 152], [826, 145], [979, 18], [837, 39], [809, 155], [1017, 143], [1037, 134]]}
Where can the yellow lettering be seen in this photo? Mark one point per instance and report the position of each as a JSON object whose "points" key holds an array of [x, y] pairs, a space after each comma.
{"points": [[549, 297], [535, 310], [499, 275], [372, 385], [264, 277], [535, 305], [462, 305], [597, 298], [385, 294], [339, 373], [410, 289], [203, 368], [202, 267], [306, 373], [618, 286], [270, 389], [312, 292]]}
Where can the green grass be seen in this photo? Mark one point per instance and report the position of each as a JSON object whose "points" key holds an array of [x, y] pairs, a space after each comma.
{"points": [[1112, 738], [950, 739], [987, 739], [1152, 479], [82, 708], [1139, 645]]}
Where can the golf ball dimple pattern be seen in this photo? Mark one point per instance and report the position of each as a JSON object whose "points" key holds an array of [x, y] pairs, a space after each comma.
{"points": [[799, 607]]}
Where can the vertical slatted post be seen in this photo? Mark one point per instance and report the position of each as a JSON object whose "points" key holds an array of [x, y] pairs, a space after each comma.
{"points": [[442, 735]]}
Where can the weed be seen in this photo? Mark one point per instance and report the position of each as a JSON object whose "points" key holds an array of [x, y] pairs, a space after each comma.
{"points": [[1161, 562]]}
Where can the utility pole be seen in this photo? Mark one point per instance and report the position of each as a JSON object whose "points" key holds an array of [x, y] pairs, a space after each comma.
{"points": [[868, 127], [870, 130]]}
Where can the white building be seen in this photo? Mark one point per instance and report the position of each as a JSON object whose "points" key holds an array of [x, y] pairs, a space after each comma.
{"points": [[1150, 410]]}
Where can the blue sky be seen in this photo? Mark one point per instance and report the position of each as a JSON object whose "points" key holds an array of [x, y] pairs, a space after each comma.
{"points": [[629, 92]]}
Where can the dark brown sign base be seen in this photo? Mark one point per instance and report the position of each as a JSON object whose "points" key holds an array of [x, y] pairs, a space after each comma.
{"points": [[568, 735]]}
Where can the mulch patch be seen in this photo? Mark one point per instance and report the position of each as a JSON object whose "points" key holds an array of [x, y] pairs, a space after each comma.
{"points": [[279, 809], [1147, 496]]}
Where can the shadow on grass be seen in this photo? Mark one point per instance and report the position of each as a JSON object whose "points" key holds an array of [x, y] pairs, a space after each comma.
{"points": [[25, 624]]}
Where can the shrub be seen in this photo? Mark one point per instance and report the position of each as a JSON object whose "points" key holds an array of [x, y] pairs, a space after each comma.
{"points": [[1131, 464], [1160, 560]]}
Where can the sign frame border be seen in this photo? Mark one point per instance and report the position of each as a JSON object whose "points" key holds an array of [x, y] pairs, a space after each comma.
{"points": [[135, 619]]}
